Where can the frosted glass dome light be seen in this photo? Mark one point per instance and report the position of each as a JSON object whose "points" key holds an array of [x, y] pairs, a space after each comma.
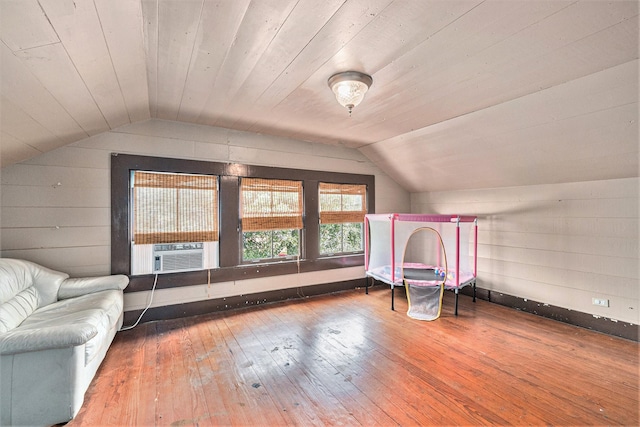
{"points": [[350, 87]]}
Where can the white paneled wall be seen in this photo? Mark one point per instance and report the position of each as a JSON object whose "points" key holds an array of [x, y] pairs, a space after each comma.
{"points": [[560, 244], [55, 208]]}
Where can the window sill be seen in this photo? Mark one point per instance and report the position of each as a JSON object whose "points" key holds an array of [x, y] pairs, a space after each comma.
{"points": [[343, 255], [242, 272]]}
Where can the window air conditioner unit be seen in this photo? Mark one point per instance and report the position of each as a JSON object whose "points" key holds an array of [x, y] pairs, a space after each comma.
{"points": [[177, 257]]}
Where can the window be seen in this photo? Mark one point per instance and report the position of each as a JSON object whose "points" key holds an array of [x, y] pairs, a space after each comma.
{"points": [[170, 208], [243, 236], [271, 215], [342, 208]]}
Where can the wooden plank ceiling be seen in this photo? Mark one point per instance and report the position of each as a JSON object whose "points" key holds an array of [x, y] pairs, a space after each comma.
{"points": [[466, 93]]}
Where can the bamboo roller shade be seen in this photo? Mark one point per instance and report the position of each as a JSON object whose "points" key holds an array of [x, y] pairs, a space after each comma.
{"points": [[270, 204], [342, 203], [170, 208]]}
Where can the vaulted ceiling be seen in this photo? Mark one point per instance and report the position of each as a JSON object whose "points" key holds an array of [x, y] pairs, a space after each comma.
{"points": [[465, 94]]}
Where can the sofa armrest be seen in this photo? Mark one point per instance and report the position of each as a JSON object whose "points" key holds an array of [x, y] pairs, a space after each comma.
{"points": [[59, 336], [71, 288]]}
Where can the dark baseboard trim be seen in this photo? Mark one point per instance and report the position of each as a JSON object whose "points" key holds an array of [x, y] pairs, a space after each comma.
{"points": [[604, 325], [239, 301]]}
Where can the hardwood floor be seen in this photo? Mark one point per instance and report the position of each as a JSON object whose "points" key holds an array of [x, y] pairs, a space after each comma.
{"points": [[347, 359]]}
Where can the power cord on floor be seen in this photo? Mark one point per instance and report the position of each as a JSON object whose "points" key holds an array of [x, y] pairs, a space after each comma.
{"points": [[155, 282]]}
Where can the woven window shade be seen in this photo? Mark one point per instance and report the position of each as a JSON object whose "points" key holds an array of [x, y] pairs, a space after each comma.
{"points": [[170, 208], [270, 204], [342, 203]]}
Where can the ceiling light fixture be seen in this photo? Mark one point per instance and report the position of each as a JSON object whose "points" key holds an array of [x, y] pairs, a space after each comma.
{"points": [[350, 87]]}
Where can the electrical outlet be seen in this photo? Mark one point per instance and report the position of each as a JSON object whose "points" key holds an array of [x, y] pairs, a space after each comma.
{"points": [[601, 302]]}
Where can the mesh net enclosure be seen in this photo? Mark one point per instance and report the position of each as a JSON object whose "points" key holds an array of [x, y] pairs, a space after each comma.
{"points": [[425, 302], [424, 272]]}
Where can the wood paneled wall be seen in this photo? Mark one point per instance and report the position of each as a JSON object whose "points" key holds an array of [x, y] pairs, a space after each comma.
{"points": [[55, 208], [560, 244]]}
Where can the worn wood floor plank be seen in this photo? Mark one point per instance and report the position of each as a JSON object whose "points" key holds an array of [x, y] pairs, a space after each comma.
{"points": [[207, 361], [346, 359], [527, 364], [452, 406], [421, 344], [305, 344], [180, 394], [356, 360], [363, 410], [295, 389], [295, 406], [249, 401]]}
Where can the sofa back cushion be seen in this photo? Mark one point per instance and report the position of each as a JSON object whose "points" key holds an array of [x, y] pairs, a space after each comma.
{"points": [[25, 287], [18, 308]]}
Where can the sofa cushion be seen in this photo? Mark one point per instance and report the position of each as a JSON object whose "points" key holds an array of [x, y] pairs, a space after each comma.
{"points": [[101, 310], [71, 288], [66, 323], [46, 337], [17, 275], [24, 287], [15, 310], [108, 302]]}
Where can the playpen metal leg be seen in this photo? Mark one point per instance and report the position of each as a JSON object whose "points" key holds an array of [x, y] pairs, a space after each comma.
{"points": [[392, 297], [456, 310], [366, 286], [474, 291]]}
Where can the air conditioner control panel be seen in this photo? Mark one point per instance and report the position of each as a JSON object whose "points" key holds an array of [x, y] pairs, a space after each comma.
{"points": [[177, 246]]}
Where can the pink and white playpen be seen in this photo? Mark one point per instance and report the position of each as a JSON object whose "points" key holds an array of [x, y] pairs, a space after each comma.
{"points": [[450, 260]]}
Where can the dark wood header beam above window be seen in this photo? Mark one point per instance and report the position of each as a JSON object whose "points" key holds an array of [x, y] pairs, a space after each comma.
{"points": [[230, 175]]}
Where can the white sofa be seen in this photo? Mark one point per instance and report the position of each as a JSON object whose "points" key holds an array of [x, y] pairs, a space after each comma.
{"points": [[54, 333]]}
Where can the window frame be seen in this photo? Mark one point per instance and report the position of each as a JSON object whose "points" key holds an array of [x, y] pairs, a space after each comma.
{"points": [[229, 174], [250, 223]]}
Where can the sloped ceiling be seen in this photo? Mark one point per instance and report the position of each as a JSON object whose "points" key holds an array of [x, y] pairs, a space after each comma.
{"points": [[466, 93]]}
